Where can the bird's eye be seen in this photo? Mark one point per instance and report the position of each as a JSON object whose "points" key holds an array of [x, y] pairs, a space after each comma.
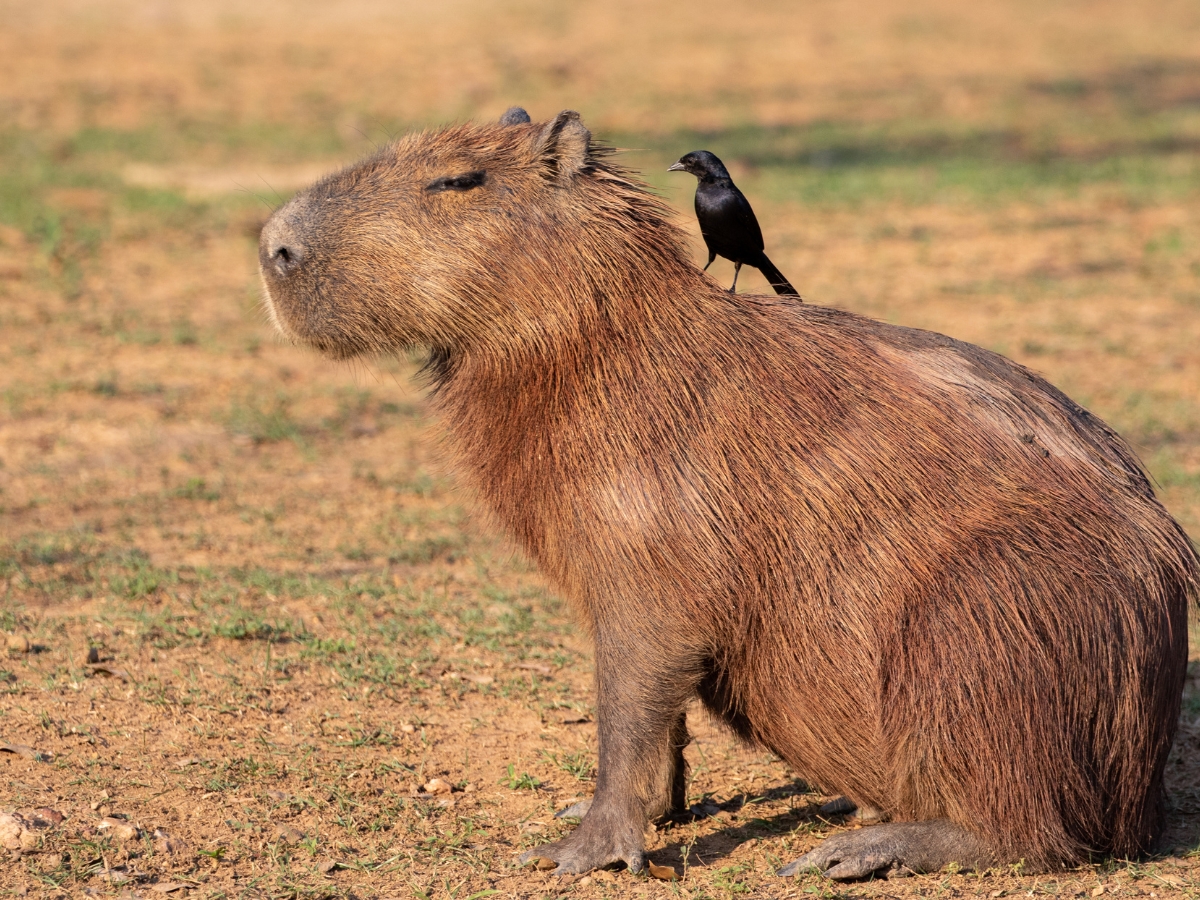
{"points": [[462, 182]]}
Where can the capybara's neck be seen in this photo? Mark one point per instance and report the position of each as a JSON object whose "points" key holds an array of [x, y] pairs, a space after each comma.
{"points": [[588, 326], [552, 407]]}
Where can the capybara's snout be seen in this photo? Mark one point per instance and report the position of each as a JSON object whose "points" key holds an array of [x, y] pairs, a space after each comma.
{"points": [[289, 259], [284, 243]]}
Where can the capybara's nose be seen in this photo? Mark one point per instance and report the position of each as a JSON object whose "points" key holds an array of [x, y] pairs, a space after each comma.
{"points": [[280, 249]]}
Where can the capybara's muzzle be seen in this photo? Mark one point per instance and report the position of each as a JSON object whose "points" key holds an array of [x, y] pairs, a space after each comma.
{"points": [[283, 246]]}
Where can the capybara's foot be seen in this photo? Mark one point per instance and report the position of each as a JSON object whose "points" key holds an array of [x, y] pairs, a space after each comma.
{"points": [[591, 848], [902, 848]]}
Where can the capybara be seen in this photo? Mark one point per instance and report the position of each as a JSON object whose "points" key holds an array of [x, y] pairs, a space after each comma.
{"points": [[911, 568]]}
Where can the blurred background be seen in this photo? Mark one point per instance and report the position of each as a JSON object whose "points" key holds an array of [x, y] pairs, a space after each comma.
{"points": [[1023, 175]]}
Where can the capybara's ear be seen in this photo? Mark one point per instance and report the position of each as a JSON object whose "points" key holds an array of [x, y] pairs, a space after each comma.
{"points": [[564, 145], [515, 115]]}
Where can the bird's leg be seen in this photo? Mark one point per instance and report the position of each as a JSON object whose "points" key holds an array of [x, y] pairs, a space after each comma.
{"points": [[711, 257], [737, 267]]}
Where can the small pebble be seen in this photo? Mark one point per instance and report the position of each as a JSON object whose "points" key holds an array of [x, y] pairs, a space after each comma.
{"points": [[18, 643]]}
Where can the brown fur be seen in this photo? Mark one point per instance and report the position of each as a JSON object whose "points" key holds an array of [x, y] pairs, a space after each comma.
{"points": [[910, 567]]}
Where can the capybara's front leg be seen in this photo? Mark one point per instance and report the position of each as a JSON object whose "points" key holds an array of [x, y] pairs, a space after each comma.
{"points": [[675, 802], [901, 848], [641, 699]]}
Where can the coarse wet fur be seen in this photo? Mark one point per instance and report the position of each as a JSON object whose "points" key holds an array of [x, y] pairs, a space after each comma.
{"points": [[911, 568]]}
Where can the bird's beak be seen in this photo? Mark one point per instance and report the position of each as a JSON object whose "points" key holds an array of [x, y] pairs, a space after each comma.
{"points": [[678, 167]]}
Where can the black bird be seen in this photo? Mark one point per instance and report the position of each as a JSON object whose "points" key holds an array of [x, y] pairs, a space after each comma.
{"points": [[727, 221]]}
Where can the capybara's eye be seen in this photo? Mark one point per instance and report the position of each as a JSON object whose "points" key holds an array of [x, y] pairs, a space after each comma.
{"points": [[462, 182]]}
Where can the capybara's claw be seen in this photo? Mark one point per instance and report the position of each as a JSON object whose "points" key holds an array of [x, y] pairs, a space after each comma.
{"points": [[840, 806], [581, 853], [803, 864], [575, 810]]}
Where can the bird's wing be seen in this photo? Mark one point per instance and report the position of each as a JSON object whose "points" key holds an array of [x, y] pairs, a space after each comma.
{"points": [[727, 222], [747, 218]]}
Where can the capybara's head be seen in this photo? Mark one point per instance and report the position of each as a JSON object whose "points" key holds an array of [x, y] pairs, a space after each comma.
{"points": [[449, 237]]}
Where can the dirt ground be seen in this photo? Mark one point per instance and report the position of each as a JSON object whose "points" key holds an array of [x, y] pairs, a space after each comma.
{"points": [[257, 645]]}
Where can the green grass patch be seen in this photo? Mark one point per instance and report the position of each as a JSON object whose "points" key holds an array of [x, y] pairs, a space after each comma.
{"points": [[522, 781], [266, 422], [196, 489]]}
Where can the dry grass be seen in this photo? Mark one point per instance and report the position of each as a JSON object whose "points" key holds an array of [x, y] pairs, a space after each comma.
{"points": [[305, 624]]}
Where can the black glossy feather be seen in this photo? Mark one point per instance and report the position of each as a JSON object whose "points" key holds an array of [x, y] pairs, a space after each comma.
{"points": [[727, 221]]}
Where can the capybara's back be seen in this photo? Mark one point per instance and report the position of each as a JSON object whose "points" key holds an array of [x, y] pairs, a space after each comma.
{"points": [[910, 567]]}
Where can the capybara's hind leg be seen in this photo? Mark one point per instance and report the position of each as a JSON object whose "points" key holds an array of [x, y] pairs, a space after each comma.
{"points": [[901, 848], [677, 800], [642, 694]]}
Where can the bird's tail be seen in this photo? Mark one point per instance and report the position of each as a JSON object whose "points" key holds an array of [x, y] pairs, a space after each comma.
{"points": [[773, 275]]}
